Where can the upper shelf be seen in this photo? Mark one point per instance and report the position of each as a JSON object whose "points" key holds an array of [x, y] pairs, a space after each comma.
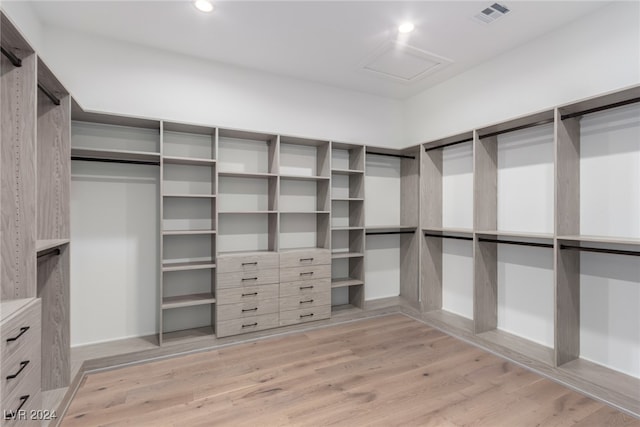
{"points": [[517, 237], [43, 245], [247, 174], [602, 244], [305, 177], [347, 172], [173, 160], [114, 155]]}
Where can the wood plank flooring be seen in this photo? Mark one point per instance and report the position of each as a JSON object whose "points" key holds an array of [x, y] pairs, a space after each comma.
{"points": [[390, 370]]}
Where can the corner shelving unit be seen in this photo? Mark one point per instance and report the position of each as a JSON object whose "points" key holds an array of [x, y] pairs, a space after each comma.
{"points": [[347, 225], [396, 177], [445, 166], [188, 232]]}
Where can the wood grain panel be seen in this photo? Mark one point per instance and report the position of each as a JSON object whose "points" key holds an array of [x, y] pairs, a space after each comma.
{"points": [[431, 273], [409, 268], [410, 190], [567, 167], [485, 183], [485, 301], [54, 168], [53, 289], [17, 180], [431, 189], [567, 310]]}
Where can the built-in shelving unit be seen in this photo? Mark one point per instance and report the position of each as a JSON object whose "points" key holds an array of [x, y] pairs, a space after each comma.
{"points": [[555, 238], [392, 222], [248, 167], [189, 230], [347, 225]]}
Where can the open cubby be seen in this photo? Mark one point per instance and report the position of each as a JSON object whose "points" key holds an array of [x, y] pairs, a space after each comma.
{"points": [[247, 232], [304, 230], [188, 143], [304, 158], [197, 251], [247, 152], [188, 180], [188, 288], [188, 214]]}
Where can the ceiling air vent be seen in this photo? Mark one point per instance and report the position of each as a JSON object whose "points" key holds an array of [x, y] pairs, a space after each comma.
{"points": [[491, 13]]}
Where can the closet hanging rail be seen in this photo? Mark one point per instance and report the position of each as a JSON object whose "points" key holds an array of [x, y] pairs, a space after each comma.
{"points": [[132, 162], [596, 109], [49, 94], [516, 242], [402, 156], [49, 253], [449, 144], [448, 236], [515, 128], [17, 62], [601, 250]]}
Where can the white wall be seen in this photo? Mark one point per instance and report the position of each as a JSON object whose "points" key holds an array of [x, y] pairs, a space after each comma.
{"points": [[127, 79], [596, 54]]}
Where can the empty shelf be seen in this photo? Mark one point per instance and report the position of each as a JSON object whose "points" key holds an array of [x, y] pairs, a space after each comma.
{"points": [[341, 283], [192, 196], [187, 232], [179, 266], [347, 171], [338, 255], [247, 174], [43, 245], [187, 300], [305, 177], [106, 154], [172, 160]]}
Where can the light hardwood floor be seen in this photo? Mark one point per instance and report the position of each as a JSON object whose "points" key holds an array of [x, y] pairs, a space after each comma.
{"points": [[390, 370]]}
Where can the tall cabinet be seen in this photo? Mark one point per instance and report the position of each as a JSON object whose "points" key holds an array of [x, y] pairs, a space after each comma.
{"points": [[34, 232]]}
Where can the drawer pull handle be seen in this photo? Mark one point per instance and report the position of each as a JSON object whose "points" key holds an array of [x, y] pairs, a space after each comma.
{"points": [[249, 278], [309, 301], [306, 287], [244, 310], [23, 365], [22, 331], [250, 325], [252, 294], [308, 273], [250, 263], [306, 315], [306, 259]]}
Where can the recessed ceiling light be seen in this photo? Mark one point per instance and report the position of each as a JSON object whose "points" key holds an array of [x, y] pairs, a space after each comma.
{"points": [[203, 5], [406, 27]]}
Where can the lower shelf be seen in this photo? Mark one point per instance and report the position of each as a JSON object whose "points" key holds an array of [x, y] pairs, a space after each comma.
{"points": [[187, 300], [179, 266], [185, 335], [507, 343], [341, 283], [344, 309]]}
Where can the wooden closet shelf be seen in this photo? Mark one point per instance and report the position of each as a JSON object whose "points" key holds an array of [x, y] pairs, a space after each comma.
{"points": [[43, 245], [346, 282], [187, 300], [192, 161], [180, 266]]}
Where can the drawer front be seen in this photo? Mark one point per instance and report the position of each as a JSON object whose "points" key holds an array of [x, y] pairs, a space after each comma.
{"points": [[304, 315], [22, 329], [32, 402], [312, 272], [305, 258], [22, 371], [305, 288], [246, 325], [247, 263], [246, 294], [247, 309], [317, 299], [22, 392], [255, 278]]}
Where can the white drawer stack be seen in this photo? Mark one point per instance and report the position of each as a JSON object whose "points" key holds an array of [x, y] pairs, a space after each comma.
{"points": [[305, 286], [20, 362], [247, 293]]}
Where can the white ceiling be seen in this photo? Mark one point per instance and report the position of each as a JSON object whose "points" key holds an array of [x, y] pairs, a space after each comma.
{"points": [[321, 41]]}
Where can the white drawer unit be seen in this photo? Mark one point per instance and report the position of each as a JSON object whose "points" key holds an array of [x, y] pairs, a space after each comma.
{"points": [[20, 365], [304, 258], [247, 262], [248, 324]]}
